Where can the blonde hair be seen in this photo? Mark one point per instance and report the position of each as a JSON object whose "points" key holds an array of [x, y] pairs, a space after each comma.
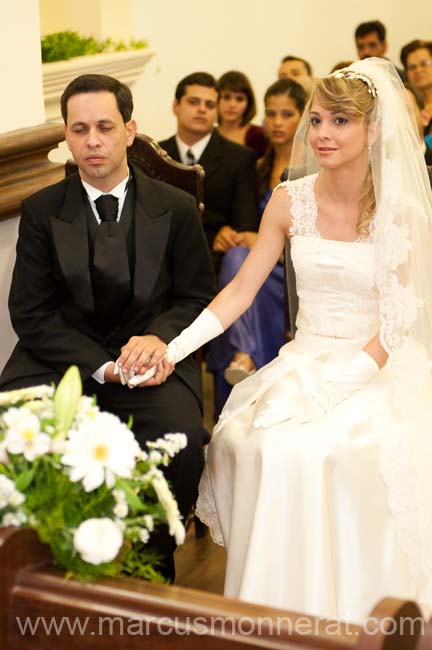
{"points": [[351, 96]]}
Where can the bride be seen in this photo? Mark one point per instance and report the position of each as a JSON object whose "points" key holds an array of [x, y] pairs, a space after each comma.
{"points": [[318, 478]]}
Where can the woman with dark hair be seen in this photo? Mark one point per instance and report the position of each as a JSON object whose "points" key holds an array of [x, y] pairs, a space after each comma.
{"points": [[284, 102], [255, 338], [236, 109]]}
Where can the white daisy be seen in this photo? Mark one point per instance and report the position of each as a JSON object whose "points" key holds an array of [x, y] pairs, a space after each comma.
{"points": [[99, 450], [23, 434]]}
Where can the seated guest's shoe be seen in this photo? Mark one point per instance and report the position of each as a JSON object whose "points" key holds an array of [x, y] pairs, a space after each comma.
{"points": [[241, 366]]}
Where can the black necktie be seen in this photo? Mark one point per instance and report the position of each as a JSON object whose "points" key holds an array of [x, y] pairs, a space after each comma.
{"points": [[190, 158], [110, 274]]}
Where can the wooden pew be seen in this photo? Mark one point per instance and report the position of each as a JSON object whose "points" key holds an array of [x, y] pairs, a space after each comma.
{"points": [[134, 614]]}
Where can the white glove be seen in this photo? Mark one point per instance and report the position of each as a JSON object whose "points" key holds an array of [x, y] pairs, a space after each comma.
{"points": [[339, 383], [203, 329]]}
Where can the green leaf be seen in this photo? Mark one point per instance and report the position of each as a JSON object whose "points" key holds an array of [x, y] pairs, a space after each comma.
{"points": [[66, 399], [132, 499], [24, 479]]}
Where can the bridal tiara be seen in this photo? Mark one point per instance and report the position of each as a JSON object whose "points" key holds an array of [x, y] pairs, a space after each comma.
{"points": [[352, 74]]}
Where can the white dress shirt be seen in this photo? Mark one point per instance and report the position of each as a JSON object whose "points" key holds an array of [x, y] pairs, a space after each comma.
{"points": [[119, 191], [197, 148]]}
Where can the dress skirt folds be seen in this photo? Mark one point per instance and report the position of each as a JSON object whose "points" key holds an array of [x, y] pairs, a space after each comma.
{"points": [[304, 509]]}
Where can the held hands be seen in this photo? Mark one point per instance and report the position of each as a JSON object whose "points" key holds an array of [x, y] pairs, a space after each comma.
{"points": [[146, 360], [247, 238], [227, 237], [338, 384], [143, 362]]}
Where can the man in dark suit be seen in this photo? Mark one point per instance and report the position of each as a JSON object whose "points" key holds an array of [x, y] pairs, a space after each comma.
{"points": [[88, 284], [230, 183]]}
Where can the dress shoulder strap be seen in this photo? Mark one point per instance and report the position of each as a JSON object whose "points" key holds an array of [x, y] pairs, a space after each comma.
{"points": [[303, 205]]}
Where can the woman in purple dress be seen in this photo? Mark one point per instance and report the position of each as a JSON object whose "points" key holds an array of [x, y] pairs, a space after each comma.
{"points": [[255, 338]]}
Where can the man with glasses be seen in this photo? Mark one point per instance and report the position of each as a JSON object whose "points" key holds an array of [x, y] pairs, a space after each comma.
{"points": [[416, 58]]}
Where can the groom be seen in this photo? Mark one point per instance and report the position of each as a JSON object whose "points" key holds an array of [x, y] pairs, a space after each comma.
{"points": [[109, 259]]}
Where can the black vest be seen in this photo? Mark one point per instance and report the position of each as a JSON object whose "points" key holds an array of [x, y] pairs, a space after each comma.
{"points": [[127, 223]]}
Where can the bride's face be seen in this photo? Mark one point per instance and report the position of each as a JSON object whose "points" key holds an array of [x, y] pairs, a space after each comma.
{"points": [[337, 138]]}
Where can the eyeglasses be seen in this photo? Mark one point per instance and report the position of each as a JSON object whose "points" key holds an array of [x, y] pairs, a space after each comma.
{"points": [[423, 64]]}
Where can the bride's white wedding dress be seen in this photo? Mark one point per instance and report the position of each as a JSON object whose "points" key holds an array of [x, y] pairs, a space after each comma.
{"points": [[304, 510]]}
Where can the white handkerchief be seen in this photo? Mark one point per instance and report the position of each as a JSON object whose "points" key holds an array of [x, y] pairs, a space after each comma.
{"points": [[138, 379]]}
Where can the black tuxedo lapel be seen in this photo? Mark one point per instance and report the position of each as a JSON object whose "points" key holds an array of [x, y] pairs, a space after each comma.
{"points": [[171, 148], [152, 228], [212, 155], [70, 236]]}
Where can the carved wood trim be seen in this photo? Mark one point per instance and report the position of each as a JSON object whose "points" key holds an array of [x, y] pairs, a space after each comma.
{"points": [[24, 164]]}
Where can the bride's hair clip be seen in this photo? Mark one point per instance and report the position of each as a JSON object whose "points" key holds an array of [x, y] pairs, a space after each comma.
{"points": [[352, 74]]}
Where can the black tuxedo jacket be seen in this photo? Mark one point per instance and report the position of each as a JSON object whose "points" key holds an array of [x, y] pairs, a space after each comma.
{"points": [[428, 155], [230, 184], [51, 299]]}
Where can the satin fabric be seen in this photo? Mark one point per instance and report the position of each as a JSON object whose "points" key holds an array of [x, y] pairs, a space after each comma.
{"points": [[303, 510]]}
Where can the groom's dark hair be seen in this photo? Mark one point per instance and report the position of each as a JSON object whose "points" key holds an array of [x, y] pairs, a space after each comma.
{"points": [[94, 83]]}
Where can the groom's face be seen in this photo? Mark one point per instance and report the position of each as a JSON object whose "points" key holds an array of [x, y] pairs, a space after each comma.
{"points": [[97, 138]]}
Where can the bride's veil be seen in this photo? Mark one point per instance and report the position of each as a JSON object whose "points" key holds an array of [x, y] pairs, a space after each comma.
{"points": [[401, 231]]}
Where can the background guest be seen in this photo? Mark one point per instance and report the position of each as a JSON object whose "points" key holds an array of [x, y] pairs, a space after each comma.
{"points": [[421, 117], [236, 109], [416, 58], [370, 39], [341, 65], [230, 182], [297, 69]]}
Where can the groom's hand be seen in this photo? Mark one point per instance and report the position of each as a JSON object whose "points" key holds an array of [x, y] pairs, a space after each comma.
{"points": [[141, 353], [110, 375]]}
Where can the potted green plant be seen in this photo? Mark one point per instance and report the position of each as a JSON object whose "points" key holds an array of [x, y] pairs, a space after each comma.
{"points": [[65, 55]]}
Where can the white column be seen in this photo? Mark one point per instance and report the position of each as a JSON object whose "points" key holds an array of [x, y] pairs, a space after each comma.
{"points": [[98, 18], [20, 66], [21, 106]]}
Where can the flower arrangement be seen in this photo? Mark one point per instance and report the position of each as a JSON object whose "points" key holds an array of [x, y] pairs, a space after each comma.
{"points": [[77, 476]]}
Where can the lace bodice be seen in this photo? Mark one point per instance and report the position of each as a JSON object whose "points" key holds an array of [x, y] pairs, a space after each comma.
{"points": [[335, 280]]}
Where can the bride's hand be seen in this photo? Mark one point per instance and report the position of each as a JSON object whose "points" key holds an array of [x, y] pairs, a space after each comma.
{"points": [[163, 370]]}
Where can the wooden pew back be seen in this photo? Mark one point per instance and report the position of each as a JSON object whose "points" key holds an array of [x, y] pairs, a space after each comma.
{"points": [[40, 609]]}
